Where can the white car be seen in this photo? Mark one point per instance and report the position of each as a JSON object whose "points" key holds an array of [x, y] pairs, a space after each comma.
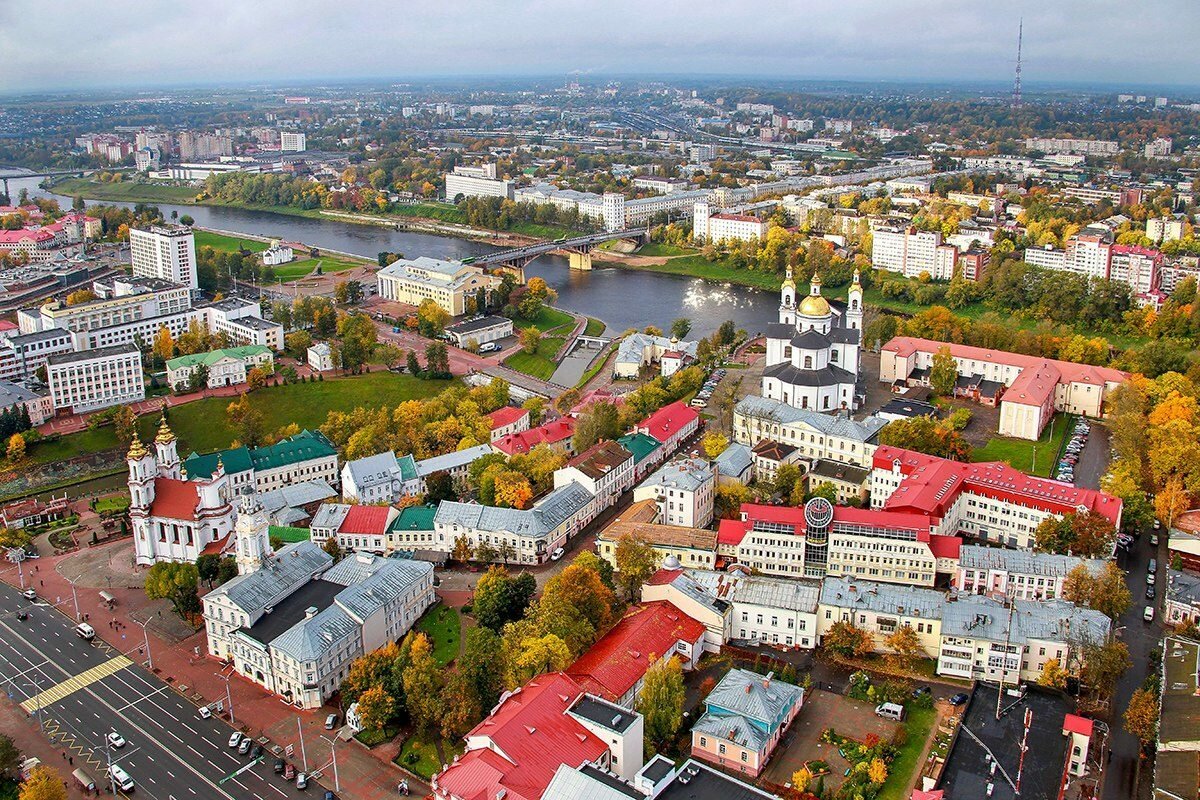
{"points": [[557, 554], [204, 712], [116, 740], [235, 738]]}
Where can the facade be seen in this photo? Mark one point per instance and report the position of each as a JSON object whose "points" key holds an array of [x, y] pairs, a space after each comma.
{"points": [[1181, 604], [988, 501], [174, 519], [813, 351], [164, 251], [1086, 147], [17, 399], [605, 470], [881, 609], [694, 548], [277, 255], [307, 456], [671, 426], [480, 331], [320, 357], [448, 283], [481, 181], [1034, 388], [22, 355], [683, 490], [95, 379], [555, 434], [294, 624], [356, 528], [1164, 229], [381, 478], [816, 436], [226, 367], [717, 227], [508, 420], [745, 716], [292, 142], [912, 253], [1000, 572]]}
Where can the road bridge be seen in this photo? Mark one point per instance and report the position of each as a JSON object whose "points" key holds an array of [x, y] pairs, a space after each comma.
{"points": [[579, 249]]}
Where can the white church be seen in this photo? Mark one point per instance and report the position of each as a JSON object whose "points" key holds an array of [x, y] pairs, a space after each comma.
{"points": [[813, 351], [174, 519]]}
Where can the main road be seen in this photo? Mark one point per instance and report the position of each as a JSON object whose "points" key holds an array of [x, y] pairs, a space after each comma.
{"points": [[80, 692]]}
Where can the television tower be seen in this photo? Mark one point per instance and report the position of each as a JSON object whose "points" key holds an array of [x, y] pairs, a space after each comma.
{"points": [[1016, 92]]}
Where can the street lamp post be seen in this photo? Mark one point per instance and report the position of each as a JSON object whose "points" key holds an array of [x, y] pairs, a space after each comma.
{"points": [[228, 697], [337, 786], [146, 639], [303, 754], [74, 596]]}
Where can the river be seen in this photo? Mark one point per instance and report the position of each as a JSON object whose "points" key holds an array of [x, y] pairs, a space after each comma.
{"points": [[622, 298]]}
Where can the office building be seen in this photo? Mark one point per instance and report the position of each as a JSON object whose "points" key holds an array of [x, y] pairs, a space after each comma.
{"points": [[225, 367], [95, 379], [481, 181], [292, 142], [167, 252]]}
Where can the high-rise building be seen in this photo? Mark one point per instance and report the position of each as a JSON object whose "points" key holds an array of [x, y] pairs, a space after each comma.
{"points": [[165, 251], [292, 142]]}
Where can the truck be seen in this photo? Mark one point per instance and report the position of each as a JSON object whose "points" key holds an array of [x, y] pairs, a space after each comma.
{"points": [[84, 780]]}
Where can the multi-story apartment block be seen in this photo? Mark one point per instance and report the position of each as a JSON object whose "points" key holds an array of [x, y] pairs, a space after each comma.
{"points": [[708, 226], [95, 379], [683, 490], [167, 252], [1137, 266], [1164, 229], [1087, 147], [292, 142], [448, 283], [912, 252], [1033, 388], [195, 146]]}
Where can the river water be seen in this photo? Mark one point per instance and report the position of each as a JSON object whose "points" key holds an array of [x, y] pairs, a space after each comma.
{"points": [[623, 298]]}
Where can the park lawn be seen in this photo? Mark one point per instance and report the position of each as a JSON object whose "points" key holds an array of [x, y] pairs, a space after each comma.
{"points": [[426, 762], [1020, 453], [202, 424], [126, 191], [227, 244], [303, 268], [547, 320], [117, 502], [594, 327], [663, 249], [441, 625], [539, 364], [900, 771]]}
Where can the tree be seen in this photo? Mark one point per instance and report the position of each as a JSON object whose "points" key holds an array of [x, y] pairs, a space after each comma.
{"points": [[636, 561], [714, 444], [604, 569], [601, 421], [80, 296], [905, 645], [512, 489], [124, 424], [462, 551], [422, 684], [801, 778], [1110, 593], [297, 344], [411, 364], [531, 655], [529, 339], [581, 587], [164, 345], [358, 335], [16, 449], [944, 372], [461, 706], [187, 219], [1103, 663], [431, 318], [10, 757], [246, 420], [333, 548], [877, 771], [208, 566], [1088, 535], [501, 598], [1077, 585], [256, 379], [926, 435], [174, 581], [43, 783], [376, 708], [660, 702], [1170, 502], [227, 570], [847, 639], [482, 663], [1053, 675], [681, 327], [1141, 716]]}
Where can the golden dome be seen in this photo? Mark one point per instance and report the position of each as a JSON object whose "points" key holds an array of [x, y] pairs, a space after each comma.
{"points": [[814, 306], [137, 450], [165, 434]]}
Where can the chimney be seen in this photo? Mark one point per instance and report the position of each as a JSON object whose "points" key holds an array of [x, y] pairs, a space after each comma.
{"points": [[767, 680], [310, 612]]}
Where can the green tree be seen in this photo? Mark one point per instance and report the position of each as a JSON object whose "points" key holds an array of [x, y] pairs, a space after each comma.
{"points": [[944, 372], [681, 327], [660, 702], [358, 335], [208, 565], [482, 663], [423, 684], [10, 757], [636, 561], [500, 598], [601, 421], [176, 582]]}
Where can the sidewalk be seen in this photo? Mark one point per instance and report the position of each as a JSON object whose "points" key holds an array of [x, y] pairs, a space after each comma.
{"points": [[178, 658]]}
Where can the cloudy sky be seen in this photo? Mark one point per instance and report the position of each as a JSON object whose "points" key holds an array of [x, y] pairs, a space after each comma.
{"points": [[78, 43]]}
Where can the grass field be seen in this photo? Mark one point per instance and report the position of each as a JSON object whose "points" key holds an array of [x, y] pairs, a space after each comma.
{"points": [[547, 320], [227, 244], [554, 325], [202, 425], [660, 249], [594, 327], [900, 771], [426, 762], [1021, 453], [304, 267], [441, 625], [126, 191]]}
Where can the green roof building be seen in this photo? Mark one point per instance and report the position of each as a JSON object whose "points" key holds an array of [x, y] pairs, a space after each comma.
{"points": [[226, 367], [413, 529], [307, 456], [647, 452]]}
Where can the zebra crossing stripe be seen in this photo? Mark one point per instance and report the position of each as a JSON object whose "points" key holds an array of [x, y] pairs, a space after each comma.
{"points": [[76, 682]]}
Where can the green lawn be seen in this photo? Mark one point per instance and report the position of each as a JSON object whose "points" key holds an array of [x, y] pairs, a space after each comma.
{"points": [[900, 771], [441, 625], [419, 755], [662, 249], [1020, 453], [202, 425], [547, 320], [126, 191], [594, 327], [117, 502], [304, 267], [540, 364], [227, 244]]}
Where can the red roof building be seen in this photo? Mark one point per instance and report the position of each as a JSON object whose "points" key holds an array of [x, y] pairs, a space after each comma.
{"points": [[670, 425], [516, 750], [175, 499], [649, 633], [367, 519], [508, 420], [556, 434]]}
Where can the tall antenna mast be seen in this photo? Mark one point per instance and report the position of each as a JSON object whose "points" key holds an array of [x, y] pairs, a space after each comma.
{"points": [[1016, 92]]}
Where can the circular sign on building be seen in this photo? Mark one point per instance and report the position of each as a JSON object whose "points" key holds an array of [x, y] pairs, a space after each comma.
{"points": [[818, 513]]}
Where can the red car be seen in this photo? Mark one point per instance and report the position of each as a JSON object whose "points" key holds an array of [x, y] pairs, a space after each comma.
{"points": [[289, 772]]}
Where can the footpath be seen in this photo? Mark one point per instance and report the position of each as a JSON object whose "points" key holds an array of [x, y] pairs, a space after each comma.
{"points": [[177, 655]]}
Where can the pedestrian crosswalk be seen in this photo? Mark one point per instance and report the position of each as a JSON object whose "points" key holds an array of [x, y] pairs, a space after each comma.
{"points": [[76, 682]]}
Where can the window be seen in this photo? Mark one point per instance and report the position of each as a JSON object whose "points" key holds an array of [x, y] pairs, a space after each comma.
{"points": [[721, 749]]}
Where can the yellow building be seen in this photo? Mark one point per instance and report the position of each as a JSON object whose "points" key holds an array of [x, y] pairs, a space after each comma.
{"points": [[448, 283]]}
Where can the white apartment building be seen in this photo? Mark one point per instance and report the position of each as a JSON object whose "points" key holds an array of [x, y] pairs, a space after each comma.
{"points": [[381, 478], [1158, 148], [722, 227], [605, 470], [1164, 229], [95, 379], [1026, 575], [292, 142], [481, 181], [22, 355], [1087, 147], [164, 251], [448, 283], [911, 252], [683, 490]]}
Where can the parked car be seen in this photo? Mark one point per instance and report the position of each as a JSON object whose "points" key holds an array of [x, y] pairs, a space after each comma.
{"points": [[1150, 593], [289, 772], [921, 690], [205, 712], [331, 722], [235, 738], [256, 751], [959, 699], [301, 780], [557, 554], [1148, 614], [244, 746], [279, 766], [1154, 540]]}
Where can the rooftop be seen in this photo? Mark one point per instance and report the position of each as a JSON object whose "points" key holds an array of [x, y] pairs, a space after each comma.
{"points": [[839, 425], [688, 474], [600, 459], [94, 355], [888, 598], [668, 421], [1023, 562], [639, 444], [213, 356], [663, 535]]}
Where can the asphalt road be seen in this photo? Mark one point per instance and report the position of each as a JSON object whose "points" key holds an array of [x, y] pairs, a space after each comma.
{"points": [[170, 752]]}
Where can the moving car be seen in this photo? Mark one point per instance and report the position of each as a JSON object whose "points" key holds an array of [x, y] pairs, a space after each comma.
{"points": [[116, 740], [557, 554], [85, 631], [29, 594], [120, 778], [204, 712]]}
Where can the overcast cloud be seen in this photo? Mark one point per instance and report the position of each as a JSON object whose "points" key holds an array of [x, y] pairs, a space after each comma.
{"points": [[72, 43]]}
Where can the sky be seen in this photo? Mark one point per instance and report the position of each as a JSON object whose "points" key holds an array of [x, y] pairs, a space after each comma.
{"points": [[119, 43]]}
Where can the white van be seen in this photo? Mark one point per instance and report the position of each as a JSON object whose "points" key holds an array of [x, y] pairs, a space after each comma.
{"points": [[890, 711], [120, 778], [1148, 614], [85, 631]]}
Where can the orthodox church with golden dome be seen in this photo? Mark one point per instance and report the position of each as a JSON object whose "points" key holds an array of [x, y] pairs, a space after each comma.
{"points": [[813, 351], [175, 519]]}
